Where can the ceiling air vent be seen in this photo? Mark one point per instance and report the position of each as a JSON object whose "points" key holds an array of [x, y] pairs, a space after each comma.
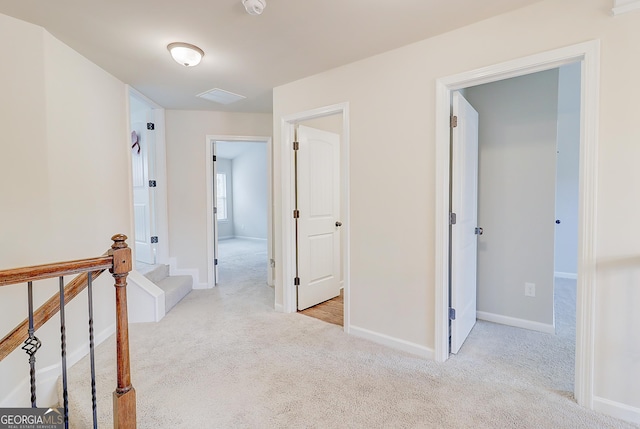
{"points": [[221, 96]]}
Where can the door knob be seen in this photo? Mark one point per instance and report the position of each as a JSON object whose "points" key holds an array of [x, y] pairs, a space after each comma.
{"points": [[338, 223]]}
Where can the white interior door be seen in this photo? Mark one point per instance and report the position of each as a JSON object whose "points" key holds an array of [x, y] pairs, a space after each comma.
{"points": [[216, 233], [318, 185], [464, 203], [142, 166]]}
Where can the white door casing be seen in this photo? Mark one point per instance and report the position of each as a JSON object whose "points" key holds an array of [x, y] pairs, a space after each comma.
{"points": [[142, 163], [464, 203], [319, 210]]}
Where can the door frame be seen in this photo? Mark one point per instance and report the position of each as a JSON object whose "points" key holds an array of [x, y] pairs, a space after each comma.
{"points": [[588, 53], [288, 124], [209, 142], [159, 206]]}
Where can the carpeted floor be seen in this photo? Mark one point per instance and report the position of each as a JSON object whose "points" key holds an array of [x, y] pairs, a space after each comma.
{"points": [[222, 358]]}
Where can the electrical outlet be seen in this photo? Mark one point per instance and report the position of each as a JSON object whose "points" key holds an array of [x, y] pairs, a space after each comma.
{"points": [[530, 289]]}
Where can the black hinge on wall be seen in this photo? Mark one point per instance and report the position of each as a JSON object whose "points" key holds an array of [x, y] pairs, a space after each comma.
{"points": [[152, 183], [215, 210], [296, 214], [214, 158], [296, 281], [454, 121], [452, 313], [452, 218], [151, 126], [215, 261], [296, 145], [154, 239]]}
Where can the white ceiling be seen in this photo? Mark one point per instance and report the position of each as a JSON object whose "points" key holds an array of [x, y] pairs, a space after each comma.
{"points": [[244, 54]]}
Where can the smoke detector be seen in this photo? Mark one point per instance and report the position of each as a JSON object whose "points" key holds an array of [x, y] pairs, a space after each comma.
{"points": [[254, 7]]}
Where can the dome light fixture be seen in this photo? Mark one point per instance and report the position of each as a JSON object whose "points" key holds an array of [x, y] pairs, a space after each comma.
{"points": [[185, 54], [254, 7]]}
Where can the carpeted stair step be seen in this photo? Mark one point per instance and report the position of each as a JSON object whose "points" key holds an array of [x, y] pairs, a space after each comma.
{"points": [[157, 273], [175, 288]]}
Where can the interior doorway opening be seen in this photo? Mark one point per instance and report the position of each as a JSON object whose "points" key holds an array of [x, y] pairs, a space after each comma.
{"points": [[239, 200], [588, 55], [321, 222]]}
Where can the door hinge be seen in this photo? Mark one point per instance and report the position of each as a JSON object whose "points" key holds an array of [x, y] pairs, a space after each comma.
{"points": [[296, 145], [296, 214], [452, 218], [152, 183], [214, 158], [215, 210], [215, 261], [479, 231], [154, 239], [454, 121], [296, 281], [452, 313], [151, 126]]}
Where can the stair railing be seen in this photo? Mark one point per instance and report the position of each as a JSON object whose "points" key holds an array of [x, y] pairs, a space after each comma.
{"points": [[118, 261]]}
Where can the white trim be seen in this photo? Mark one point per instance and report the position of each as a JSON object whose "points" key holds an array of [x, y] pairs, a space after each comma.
{"points": [[628, 6], [394, 343], [515, 322], [287, 124], [145, 303], [47, 377], [243, 237], [279, 308], [193, 272], [209, 141], [617, 409], [589, 54], [561, 275]]}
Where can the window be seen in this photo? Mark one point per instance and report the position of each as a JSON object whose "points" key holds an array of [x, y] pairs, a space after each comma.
{"points": [[221, 195]]}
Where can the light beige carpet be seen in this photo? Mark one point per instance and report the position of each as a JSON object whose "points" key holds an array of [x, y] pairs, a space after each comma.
{"points": [[224, 359]]}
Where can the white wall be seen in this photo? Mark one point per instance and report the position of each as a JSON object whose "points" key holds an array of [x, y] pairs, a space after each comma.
{"points": [[250, 183], [65, 173], [392, 106], [226, 227], [567, 166], [186, 171], [516, 195]]}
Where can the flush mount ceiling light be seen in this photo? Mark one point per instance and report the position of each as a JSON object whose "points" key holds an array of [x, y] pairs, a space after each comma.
{"points": [[254, 7], [185, 54]]}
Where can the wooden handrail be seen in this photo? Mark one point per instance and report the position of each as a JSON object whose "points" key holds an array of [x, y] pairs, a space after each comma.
{"points": [[57, 269], [46, 311], [118, 261]]}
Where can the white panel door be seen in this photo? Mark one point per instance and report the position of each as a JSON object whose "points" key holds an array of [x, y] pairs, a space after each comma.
{"points": [[318, 226], [141, 162], [464, 203]]}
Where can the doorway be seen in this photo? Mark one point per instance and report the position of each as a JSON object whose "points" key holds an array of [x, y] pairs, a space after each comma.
{"points": [[292, 230], [148, 161], [587, 54], [239, 199], [528, 135]]}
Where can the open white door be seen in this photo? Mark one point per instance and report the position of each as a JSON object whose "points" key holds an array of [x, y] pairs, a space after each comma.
{"points": [[464, 203], [318, 190], [215, 215], [142, 161]]}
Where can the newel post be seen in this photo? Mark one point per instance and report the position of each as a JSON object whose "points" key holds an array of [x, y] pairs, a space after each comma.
{"points": [[124, 397]]}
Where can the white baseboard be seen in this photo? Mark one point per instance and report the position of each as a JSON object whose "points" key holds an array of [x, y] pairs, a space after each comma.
{"points": [[249, 238], [518, 323], [394, 343], [616, 409], [279, 308], [625, 7], [560, 274], [47, 377], [194, 273]]}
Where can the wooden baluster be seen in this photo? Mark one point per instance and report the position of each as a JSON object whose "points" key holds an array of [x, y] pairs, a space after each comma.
{"points": [[124, 397]]}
